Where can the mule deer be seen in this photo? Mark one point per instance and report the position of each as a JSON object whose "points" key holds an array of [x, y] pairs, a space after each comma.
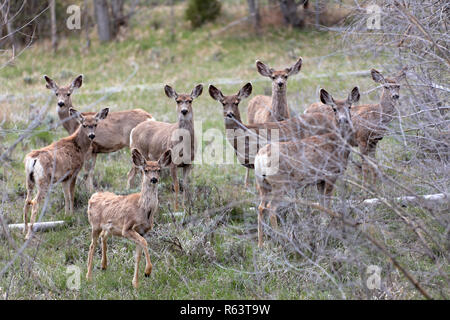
{"points": [[370, 120], [316, 160], [113, 133], [129, 216], [254, 135], [269, 109], [153, 138], [59, 162]]}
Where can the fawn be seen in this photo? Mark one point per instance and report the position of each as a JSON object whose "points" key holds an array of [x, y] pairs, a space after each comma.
{"points": [[316, 160], [152, 138], [129, 216], [59, 162], [370, 121], [113, 133]]}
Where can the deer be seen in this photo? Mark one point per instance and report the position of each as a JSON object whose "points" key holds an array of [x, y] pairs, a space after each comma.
{"points": [[130, 216], [316, 160], [113, 133], [153, 138], [371, 120], [61, 161], [262, 108], [257, 135]]}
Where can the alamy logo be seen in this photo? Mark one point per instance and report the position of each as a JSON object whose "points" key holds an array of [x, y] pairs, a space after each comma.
{"points": [[73, 22], [374, 279], [374, 19], [74, 279]]}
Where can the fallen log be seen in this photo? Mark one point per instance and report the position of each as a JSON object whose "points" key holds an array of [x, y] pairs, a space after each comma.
{"points": [[38, 226], [405, 200]]}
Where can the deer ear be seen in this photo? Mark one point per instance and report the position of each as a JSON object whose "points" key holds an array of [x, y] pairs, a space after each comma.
{"points": [[170, 92], [76, 115], [354, 96], [50, 83], [198, 90], [215, 93], [295, 68], [263, 69], [326, 98], [245, 91], [138, 158], [165, 159], [102, 114], [77, 82], [377, 76]]}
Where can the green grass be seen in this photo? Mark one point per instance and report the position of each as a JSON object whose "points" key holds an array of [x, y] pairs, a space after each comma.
{"points": [[209, 266]]}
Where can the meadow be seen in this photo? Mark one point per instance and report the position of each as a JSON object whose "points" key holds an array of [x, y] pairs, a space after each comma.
{"points": [[210, 251]]}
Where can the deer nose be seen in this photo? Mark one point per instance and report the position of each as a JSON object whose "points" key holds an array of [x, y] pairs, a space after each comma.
{"points": [[184, 112], [61, 103], [280, 84], [91, 136], [153, 180], [230, 115], [395, 96]]}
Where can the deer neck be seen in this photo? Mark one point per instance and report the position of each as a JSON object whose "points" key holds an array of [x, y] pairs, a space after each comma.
{"points": [[68, 123], [81, 140], [387, 106], [148, 201], [279, 104]]}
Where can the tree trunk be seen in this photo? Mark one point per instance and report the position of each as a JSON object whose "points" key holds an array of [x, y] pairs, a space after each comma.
{"points": [[255, 16], [86, 25], [290, 14], [53, 25], [118, 16], [103, 22]]}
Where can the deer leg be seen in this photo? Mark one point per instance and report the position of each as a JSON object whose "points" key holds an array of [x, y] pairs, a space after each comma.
{"points": [[141, 242], [261, 208], [372, 152], [42, 190], [104, 250], [66, 191], [131, 176], [95, 235], [176, 186], [328, 191], [247, 174], [321, 192], [365, 165], [137, 258], [90, 160], [273, 214], [186, 173], [73, 183], [28, 204]]}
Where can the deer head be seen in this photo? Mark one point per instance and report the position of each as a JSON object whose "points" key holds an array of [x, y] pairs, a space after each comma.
{"points": [[88, 124], [390, 85], [184, 101], [231, 103], [279, 77], [341, 109], [151, 170], [63, 94]]}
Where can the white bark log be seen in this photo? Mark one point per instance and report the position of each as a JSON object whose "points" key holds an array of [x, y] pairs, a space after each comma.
{"points": [[439, 198], [38, 226]]}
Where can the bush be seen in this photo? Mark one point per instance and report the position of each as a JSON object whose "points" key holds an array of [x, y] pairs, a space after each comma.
{"points": [[200, 11]]}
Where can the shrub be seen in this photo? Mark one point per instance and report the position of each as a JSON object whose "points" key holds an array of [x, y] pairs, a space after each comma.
{"points": [[200, 11]]}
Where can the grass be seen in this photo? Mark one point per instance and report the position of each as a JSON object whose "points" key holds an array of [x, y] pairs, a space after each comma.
{"points": [[224, 263]]}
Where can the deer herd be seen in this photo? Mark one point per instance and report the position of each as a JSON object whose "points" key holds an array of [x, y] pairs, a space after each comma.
{"points": [[308, 149]]}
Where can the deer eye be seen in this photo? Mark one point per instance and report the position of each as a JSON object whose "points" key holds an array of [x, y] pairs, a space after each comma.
{"points": [[57, 94], [84, 126], [68, 94]]}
